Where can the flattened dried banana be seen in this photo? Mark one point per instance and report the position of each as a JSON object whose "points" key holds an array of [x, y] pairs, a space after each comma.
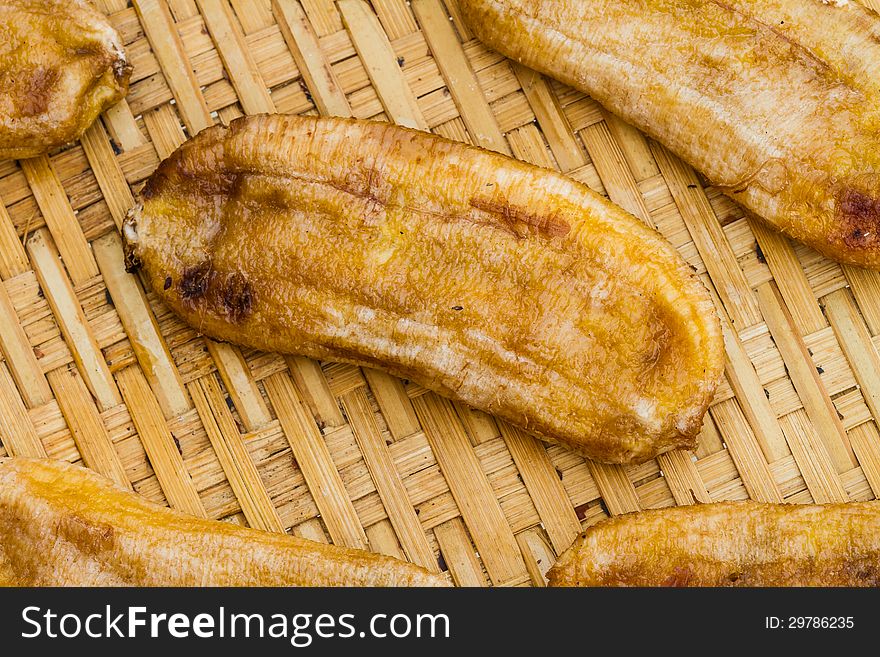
{"points": [[61, 65], [777, 101], [509, 287], [729, 544], [62, 525]]}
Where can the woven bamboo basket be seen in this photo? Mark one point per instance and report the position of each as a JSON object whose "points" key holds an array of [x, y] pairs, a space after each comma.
{"points": [[96, 371]]}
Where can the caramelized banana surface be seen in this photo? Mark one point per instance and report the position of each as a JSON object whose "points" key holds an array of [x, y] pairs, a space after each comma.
{"points": [[62, 525], [776, 101], [729, 544], [61, 65], [509, 287]]}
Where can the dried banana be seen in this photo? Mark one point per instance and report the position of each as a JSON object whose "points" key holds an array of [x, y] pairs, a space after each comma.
{"points": [[506, 286], [775, 101], [729, 544], [62, 525], [61, 65]]}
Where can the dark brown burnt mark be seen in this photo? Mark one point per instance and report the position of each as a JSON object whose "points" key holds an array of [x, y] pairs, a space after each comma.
{"points": [[194, 282], [36, 91], [520, 221], [860, 216], [228, 295], [236, 297]]}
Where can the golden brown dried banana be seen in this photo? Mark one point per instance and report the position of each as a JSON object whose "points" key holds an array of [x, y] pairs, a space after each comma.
{"points": [[509, 287], [62, 525], [61, 65], [776, 101], [729, 544]]}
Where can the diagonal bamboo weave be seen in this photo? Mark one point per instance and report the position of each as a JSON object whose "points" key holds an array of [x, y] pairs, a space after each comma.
{"points": [[95, 370]]}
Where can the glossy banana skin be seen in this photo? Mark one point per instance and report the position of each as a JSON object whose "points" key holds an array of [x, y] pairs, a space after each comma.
{"points": [[62, 525], [61, 65], [729, 544], [511, 288], [776, 101]]}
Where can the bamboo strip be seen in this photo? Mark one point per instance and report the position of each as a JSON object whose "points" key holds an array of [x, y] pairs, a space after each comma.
{"points": [[752, 396], [60, 219], [527, 144], [159, 444], [110, 6], [805, 378], [458, 553], [461, 81], [388, 483], [544, 487], [683, 478], [616, 176], [790, 277], [812, 459], [229, 113], [709, 441], [71, 320], [253, 94], [140, 325], [865, 285], [310, 379], [343, 378], [240, 470], [470, 488], [709, 238], [633, 145], [538, 555], [616, 489], [314, 66], [165, 43], [746, 455], [377, 56], [479, 426], [122, 126], [240, 384], [86, 427], [568, 153], [393, 402], [311, 530], [314, 460], [164, 129], [397, 20], [853, 337], [16, 349], [16, 428], [253, 16], [107, 171], [455, 13], [383, 540], [323, 15], [866, 443], [13, 259]]}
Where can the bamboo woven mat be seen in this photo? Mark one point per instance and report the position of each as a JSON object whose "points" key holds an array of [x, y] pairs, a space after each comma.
{"points": [[95, 370]]}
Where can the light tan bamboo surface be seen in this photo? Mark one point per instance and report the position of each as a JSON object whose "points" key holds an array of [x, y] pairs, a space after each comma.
{"points": [[96, 371]]}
